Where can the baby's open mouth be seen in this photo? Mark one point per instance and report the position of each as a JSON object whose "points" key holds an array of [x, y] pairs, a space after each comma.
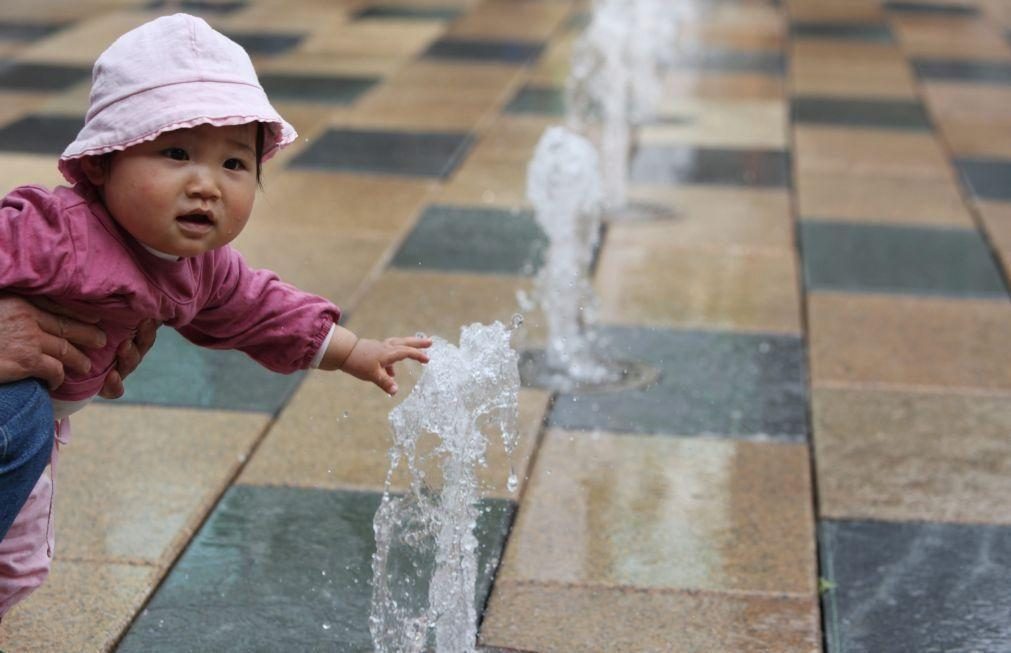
{"points": [[196, 220]]}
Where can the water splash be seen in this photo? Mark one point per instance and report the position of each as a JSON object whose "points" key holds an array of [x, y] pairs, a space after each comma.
{"points": [[463, 394], [563, 184]]}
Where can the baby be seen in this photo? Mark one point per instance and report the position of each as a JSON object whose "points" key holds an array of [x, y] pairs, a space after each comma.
{"points": [[164, 174]]}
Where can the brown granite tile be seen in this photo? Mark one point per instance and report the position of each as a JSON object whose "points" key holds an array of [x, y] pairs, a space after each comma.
{"points": [[14, 105], [524, 20], [555, 62], [735, 27], [997, 219], [379, 38], [20, 169], [757, 124], [978, 140], [950, 37], [665, 513], [555, 619], [906, 456], [707, 217], [910, 342], [724, 86], [311, 17], [321, 62], [131, 485], [887, 80], [432, 109], [831, 10], [82, 43], [647, 281], [83, 606], [873, 152], [875, 198]]}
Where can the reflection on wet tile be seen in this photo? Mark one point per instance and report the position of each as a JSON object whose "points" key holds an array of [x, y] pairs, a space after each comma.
{"points": [[315, 88], [140, 489], [544, 100], [297, 557], [900, 340], [986, 72], [473, 239], [916, 587], [409, 12], [673, 165], [733, 61], [901, 259], [27, 31], [422, 154], [178, 373], [265, 43], [83, 606], [710, 383], [40, 77], [40, 134], [874, 32], [988, 179], [556, 619], [518, 52], [904, 456], [891, 114], [940, 8], [665, 513]]}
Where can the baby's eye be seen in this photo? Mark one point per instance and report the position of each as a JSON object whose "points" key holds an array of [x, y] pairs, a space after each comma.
{"points": [[177, 153], [236, 164]]}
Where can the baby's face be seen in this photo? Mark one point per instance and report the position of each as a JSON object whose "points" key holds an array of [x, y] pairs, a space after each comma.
{"points": [[186, 192]]}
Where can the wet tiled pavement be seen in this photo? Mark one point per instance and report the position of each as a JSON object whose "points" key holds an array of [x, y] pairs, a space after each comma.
{"points": [[823, 461]]}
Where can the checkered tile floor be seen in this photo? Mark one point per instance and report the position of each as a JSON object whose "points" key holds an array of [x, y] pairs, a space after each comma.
{"points": [[824, 461]]}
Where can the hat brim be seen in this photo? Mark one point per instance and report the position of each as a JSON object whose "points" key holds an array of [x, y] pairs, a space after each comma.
{"points": [[144, 116]]}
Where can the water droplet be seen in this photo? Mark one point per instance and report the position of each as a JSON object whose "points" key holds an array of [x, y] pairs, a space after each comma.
{"points": [[517, 320], [512, 483], [345, 414], [326, 626], [420, 334]]}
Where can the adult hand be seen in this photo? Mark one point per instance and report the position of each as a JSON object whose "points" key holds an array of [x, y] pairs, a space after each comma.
{"points": [[128, 357], [40, 340]]}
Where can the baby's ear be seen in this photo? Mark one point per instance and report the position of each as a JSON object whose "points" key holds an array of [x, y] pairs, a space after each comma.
{"points": [[95, 168]]}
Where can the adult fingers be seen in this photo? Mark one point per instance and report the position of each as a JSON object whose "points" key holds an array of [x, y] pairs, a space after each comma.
{"points": [[50, 306], [49, 370], [113, 386], [65, 353], [146, 333], [78, 333], [127, 358]]}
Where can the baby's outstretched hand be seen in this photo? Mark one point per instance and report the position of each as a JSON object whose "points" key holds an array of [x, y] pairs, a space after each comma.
{"points": [[373, 360]]}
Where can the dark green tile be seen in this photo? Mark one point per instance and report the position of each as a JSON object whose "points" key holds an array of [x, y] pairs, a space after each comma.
{"points": [[40, 77], [285, 569], [40, 134], [916, 587], [418, 154], [483, 50], [931, 8], [266, 43], [717, 60], [719, 383], [988, 179], [542, 100], [963, 70], [887, 114], [200, 6], [870, 32], [401, 12], [178, 373], [898, 259], [316, 88], [679, 164], [474, 239]]}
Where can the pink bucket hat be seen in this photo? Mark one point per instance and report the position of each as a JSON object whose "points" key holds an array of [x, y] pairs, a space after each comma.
{"points": [[171, 73]]}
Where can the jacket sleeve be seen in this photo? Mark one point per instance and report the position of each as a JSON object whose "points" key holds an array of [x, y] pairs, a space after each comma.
{"points": [[253, 311], [37, 247]]}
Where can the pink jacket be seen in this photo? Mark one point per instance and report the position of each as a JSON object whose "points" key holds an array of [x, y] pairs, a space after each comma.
{"points": [[64, 245]]}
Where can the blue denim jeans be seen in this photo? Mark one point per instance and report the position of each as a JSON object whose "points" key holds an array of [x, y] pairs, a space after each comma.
{"points": [[26, 441]]}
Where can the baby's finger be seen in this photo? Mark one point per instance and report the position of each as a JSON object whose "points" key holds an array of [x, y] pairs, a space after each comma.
{"points": [[385, 382], [414, 341]]}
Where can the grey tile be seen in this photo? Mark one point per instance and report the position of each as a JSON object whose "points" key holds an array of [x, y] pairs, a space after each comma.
{"points": [[579, 20], [898, 259], [27, 31], [677, 164], [200, 6], [178, 373], [889, 114], [986, 178], [871, 32], [421, 154], [285, 569], [410, 13], [542, 100], [474, 239], [734, 61], [40, 77], [916, 587], [721, 383], [41, 134], [931, 8], [988, 72], [316, 88], [518, 52], [266, 43]]}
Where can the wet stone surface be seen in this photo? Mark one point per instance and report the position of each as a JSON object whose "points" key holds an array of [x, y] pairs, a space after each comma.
{"points": [[421, 154], [40, 134], [284, 569]]}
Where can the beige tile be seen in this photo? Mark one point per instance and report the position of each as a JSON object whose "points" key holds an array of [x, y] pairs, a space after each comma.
{"points": [[641, 280], [991, 140], [313, 16], [735, 27], [665, 513], [373, 38], [81, 43], [525, 20], [322, 62], [555, 619], [997, 219], [17, 104], [431, 108], [910, 342], [20, 169], [83, 606], [723, 86], [129, 487], [832, 10], [901, 456], [836, 67], [835, 150], [972, 117], [714, 123], [713, 217], [555, 62], [876, 198], [950, 37]]}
